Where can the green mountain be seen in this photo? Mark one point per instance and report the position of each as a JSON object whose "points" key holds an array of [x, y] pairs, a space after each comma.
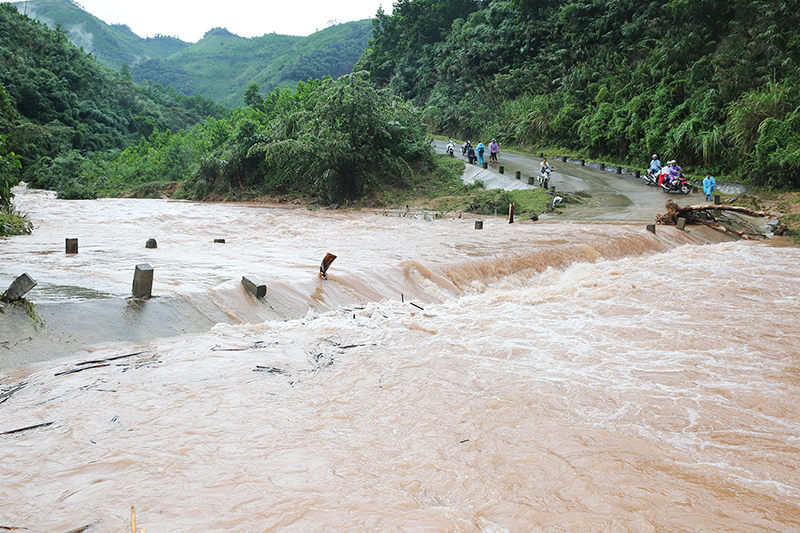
{"points": [[58, 104], [219, 66], [111, 44]]}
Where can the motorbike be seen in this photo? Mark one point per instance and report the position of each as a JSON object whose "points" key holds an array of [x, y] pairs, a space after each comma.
{"points": [[450, 149], [650, 178], [679, 185]]}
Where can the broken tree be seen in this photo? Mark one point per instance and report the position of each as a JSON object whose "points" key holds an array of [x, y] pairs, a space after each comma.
{"points": [[740, 221]]}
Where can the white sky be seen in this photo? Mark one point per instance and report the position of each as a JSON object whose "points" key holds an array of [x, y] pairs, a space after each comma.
{"points": [[189, 20]]}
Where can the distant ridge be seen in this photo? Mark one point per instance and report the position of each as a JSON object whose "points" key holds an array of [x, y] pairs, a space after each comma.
{"points": [[221, 65]]}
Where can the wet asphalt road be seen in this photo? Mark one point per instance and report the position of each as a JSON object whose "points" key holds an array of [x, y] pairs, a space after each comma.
{"points": [[614, 197]]}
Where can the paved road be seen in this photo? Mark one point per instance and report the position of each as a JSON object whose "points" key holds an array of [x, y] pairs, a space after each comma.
{"points": [[614, 197]]}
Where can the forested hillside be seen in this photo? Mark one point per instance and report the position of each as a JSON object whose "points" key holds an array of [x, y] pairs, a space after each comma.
{"points": [[111, 44], [221, 65], [81, 129], [58, 105], [712, 84]]}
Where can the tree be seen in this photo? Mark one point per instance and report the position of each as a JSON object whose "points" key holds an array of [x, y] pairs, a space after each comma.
{"points": [[253, 97]]}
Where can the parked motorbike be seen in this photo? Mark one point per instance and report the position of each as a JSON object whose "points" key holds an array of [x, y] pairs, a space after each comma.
{"points": [[679, 185], [450, 149]]}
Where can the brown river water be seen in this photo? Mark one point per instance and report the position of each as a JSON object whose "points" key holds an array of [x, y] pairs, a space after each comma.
{"points": [[550, 376]]}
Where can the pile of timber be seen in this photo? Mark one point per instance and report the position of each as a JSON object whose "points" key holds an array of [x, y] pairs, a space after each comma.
{"points": [[740, 221]]}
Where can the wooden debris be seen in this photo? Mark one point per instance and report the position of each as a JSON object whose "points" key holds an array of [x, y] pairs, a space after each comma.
{"points": [[271, 370], [81, 369], [714, 216], [26, 428], [326, 263], [6, 395], [109, 359]]}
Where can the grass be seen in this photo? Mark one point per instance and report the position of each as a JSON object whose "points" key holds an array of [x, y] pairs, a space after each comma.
{"points": [[11, 224]]}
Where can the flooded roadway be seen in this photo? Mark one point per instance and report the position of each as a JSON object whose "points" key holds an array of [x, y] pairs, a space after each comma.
{"points": [[550, 376]]}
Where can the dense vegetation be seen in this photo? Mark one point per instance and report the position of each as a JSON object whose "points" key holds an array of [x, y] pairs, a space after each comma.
{"points": [[711, 84], [220, 66], [58, 105], [332, 140]]}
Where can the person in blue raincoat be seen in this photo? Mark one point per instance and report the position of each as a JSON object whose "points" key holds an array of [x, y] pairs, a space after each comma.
{"points": [[480, 149], [709, 184]]}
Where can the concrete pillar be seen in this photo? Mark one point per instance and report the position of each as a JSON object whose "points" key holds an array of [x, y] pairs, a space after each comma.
{"points": [[553, 188], [151, 243], [502, 169], [479, 224], [19, 287], [619, 170], [583, 162], [651, 228], [716, 199], [681, 224], [549, 207], [485, 164], [72, 246], [637, 174], [254, 286], [220, 241], [531, 180], [518, 174], [143, 281], [602, 166]]}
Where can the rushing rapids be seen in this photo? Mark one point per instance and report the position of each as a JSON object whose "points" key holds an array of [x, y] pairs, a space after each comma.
{"points": [[526, 377]]}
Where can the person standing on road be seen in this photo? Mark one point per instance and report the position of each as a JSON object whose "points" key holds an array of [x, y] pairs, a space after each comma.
{"points": [[494, 151], [709, 185], [480, 149]]}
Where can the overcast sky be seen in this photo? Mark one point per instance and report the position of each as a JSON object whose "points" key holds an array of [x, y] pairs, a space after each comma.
{"points": [[189, 20]]}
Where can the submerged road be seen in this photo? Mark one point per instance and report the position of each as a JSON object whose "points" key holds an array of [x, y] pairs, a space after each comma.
{"points": [[614, 197]]}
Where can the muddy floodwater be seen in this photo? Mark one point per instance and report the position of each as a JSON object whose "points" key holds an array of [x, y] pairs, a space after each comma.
{"points": [[550, 376]]}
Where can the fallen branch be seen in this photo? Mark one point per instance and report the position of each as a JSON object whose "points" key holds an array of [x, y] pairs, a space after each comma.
{"points": [[109, 359], [6, 395], [81, 369], [26, 428]]}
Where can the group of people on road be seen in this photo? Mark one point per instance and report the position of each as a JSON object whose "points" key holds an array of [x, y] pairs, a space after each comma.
{"points": [[477, 153], [672, 173]]}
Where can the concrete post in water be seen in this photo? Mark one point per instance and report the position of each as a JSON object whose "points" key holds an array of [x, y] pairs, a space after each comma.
{"points": [[502, 169], [72, 246], [254, 286], [485, 164], [531, 180], [19, 288], [518, 174], [479, 224], [511, 210], [143, 281], [716, 199], [681, 224], [219, 241], [651, 228], [549, 207], [151, 243]]}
